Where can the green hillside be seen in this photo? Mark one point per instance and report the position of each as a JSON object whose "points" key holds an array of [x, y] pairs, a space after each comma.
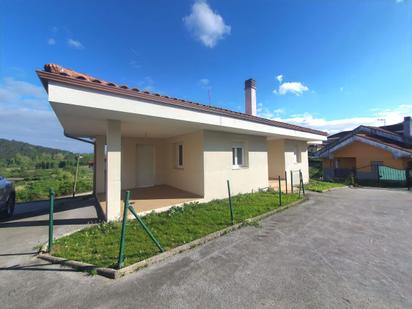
{"points": [[35, 169], [9, 149]]}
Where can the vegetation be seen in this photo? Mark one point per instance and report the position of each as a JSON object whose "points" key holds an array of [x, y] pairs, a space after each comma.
{"points": [[99, 245], [35, 169], [319, 186], [315, 168]]}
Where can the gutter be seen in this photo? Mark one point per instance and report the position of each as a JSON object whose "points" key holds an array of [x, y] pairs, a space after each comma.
{"points": [[78, 138]]}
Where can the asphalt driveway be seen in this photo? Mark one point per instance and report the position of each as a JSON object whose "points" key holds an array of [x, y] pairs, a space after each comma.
{"points": [[349, 248], [28, 228]]}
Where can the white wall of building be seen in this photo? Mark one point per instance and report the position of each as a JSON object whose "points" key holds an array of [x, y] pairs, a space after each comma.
{"points": [[218, 164]]}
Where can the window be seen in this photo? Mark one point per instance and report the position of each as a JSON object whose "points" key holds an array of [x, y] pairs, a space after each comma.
{"points": [[238, 156], [179, 155], [297, 155]]}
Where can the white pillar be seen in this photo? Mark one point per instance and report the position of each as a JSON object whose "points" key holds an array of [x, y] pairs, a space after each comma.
{"points": [[113, 170], [100, 143]]}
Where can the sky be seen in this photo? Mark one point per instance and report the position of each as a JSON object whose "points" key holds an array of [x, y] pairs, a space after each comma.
{"points": [[329, 65]]}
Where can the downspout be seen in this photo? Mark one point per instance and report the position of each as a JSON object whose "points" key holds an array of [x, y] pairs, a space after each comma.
{"points": [[94, 156]]}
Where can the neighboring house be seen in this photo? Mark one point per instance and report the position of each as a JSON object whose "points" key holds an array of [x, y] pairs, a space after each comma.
{"points": [[359, 152], [169, 150]]}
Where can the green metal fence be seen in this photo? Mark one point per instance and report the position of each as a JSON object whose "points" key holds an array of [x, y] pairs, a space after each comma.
{"points": [[392, 175]]}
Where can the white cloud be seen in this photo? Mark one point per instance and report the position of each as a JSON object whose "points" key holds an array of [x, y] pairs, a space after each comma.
{"points": [[207, 26], [341, 89], [279, 78], [296, 88], [75, 44], [204, 83], [331, 126], [134, 64], [51, 41], [25, 115]]}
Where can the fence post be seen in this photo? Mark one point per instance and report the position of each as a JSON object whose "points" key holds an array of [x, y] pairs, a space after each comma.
{"points": [[408, 178], [146, 229], [286, 182], [291, 181], [230, 203], [51, 220], [123, 232], [280, 192]]}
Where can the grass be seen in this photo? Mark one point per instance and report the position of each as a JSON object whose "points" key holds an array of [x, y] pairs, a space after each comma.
{"points": [[99, 244], [319, 186]]}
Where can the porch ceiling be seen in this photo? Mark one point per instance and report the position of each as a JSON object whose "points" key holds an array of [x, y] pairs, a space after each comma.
{"points": [[88, 122], [85, 122]]}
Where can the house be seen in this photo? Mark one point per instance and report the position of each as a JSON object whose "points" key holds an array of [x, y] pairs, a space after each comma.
{"points": [[168, 150], [359, 152]]}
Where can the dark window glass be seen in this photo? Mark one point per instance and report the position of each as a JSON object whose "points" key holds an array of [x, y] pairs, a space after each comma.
{"points": [[239, 156], [180, 155]]}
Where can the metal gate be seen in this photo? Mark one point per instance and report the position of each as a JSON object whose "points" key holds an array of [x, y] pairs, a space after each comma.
{"points": [[393, 176]]}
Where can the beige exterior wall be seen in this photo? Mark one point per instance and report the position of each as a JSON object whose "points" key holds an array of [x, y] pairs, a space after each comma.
{"points": [[189, 178], [291, 146], [283, 156], [276, 158], [218, 164], [207, 162]]}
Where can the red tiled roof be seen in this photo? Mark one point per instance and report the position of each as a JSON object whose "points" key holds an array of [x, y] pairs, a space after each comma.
{"points": [[58, 73]]}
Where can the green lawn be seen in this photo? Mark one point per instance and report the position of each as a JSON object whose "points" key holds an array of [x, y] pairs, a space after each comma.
{"points": [[99, 245], [319, 186]]}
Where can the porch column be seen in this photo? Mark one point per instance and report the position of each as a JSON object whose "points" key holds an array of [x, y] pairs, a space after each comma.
{"points": [[113, 170], [100, 164]]}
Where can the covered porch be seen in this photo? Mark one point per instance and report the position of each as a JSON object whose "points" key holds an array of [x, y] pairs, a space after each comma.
{"points": [[154, 198], [161, 170]]}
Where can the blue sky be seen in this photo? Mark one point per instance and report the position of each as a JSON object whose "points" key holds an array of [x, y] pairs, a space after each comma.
{"points": [[330, 65]]}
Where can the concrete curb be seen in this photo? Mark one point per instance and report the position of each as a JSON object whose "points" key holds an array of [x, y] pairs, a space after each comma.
{"points": [[327, 190], [117, 273]]}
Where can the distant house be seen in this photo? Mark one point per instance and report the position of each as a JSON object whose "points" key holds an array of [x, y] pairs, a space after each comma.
{"points": [[167, 150], [359, 152]]}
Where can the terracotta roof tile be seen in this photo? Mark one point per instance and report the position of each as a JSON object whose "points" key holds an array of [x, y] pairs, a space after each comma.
{"points": [[51, 71]]}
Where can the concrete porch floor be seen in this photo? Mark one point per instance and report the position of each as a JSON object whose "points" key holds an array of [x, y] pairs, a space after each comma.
{"points": [[274, 183], [158, 197]]}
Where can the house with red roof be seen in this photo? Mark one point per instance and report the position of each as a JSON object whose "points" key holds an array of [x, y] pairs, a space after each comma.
{"points": [[169, 151], [361, 151]]}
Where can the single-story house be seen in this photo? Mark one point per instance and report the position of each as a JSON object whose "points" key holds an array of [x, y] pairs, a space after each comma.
{"points": [[169, 150], [359, 152]]}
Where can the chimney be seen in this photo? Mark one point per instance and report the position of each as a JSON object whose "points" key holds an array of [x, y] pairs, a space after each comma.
{"points": [[250, 97], [407, 128]]}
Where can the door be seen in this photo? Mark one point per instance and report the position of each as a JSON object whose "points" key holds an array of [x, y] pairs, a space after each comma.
{"points": [[145, 165]]}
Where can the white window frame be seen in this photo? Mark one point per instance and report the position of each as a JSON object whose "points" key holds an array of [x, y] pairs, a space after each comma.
{"points": [[297, 154], [177, 155], [235, 162]]}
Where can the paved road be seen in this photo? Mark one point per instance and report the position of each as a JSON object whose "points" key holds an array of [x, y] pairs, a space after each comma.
{"points": [[349, 248], [28, 228]]}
